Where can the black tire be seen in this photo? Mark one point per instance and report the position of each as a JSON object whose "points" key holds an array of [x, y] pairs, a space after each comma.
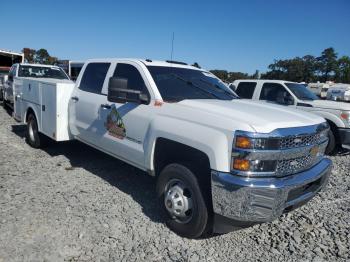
{"points": [[1, 96], [195, 225], [33, 137], [332, 145]]}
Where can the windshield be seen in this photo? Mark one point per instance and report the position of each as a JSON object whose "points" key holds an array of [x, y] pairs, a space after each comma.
{"points": [[301, 92], [176, 84], [41, 72]]}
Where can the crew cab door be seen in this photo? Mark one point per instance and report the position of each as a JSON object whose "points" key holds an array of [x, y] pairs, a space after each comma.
{"points": [[126, 124], [85, 104]]}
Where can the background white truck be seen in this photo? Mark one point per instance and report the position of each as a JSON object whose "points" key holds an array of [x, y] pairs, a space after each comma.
{"points": [[339, 92], [19, 71], [296, 95], [218, 160]]}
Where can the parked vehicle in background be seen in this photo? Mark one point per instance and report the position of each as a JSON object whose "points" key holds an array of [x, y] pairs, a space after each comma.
{"points": [[7, 59], [3, 79], [19, 71], [295, 95], [320, 89], [339, 92], [72, 68], [218, 160]]}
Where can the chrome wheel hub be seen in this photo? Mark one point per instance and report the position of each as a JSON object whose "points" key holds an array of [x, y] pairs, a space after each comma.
{"points": [[178, 201]]}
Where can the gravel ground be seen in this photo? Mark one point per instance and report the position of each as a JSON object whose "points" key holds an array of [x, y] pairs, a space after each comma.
{"points": [[70, 202]]}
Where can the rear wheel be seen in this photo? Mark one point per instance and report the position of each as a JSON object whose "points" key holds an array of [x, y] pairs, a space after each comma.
{"points": [[34, 138], [182, 200]]}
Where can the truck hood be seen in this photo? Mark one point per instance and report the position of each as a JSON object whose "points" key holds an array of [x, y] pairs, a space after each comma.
{"points": [[325, 104], [262, 117]]}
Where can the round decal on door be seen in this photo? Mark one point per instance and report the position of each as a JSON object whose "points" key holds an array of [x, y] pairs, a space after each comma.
{"points": [[114, 124]]}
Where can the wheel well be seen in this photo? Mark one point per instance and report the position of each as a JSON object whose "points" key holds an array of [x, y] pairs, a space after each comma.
{"points": [[29, 111], [334, 129], [168, 151]]}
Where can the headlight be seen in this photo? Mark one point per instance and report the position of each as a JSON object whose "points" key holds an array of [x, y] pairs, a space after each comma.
{"points": [[256, 143]]}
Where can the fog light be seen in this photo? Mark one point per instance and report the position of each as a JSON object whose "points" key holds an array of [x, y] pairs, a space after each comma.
{"points": [[243, 142], [241, 164]]}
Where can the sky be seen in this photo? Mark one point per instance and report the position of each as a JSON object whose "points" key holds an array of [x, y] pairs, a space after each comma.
{"points": [[231, 35]]}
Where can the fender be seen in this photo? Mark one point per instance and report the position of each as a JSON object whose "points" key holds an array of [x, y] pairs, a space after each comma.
{"points": [[330, 117], [210, 141]]}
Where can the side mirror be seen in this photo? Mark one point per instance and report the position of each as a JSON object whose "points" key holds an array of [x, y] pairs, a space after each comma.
{"points": [[118, 92], [288, 100]]}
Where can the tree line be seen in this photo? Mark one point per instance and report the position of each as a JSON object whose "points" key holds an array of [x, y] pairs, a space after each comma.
{"points": [[326, 67], [40, 56]]}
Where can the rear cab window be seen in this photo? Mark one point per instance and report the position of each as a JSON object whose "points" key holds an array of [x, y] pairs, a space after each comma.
{"points": [[246, 89], [94, 77]]}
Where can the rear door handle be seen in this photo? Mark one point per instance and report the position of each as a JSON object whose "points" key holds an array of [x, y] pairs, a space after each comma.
{"points": [[75, 98], [105, 106]]}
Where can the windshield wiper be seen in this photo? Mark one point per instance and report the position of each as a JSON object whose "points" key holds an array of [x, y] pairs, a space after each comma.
{"points": [[190, 83], [219, 88]]}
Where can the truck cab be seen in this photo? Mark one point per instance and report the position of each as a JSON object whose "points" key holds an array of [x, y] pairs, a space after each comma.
{"points": [[294, 95], [218, 161]]}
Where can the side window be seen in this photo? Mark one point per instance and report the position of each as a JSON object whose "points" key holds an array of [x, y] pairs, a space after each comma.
{"points": [[130, 73], [94, 76], [274, 92], [246, 89]]}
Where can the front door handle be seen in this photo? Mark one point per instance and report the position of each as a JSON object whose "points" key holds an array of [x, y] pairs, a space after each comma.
{"points": [[75, 98], [105, 106]]}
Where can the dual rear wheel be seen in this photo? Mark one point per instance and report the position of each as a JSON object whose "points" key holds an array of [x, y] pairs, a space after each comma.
{"points": [[33, 137]]}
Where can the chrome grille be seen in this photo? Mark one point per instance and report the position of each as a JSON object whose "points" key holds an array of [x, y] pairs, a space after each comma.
{"points": [[299, 141], [290, 166]]}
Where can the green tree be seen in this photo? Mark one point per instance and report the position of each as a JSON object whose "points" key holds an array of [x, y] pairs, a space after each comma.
{"points": [[42, 56], [222, 74], [327, 63], [29, 55], [342, 73]]}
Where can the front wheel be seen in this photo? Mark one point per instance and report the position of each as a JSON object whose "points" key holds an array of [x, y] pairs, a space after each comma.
{"points": [[182, 200]]}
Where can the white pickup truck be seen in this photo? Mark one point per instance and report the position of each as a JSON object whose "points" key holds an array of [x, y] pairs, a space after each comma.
{"points": [[21, 70], [297, 96], [219, 161]]}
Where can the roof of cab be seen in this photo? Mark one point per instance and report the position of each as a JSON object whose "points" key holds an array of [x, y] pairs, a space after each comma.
{"points": [[147, 62], [263, 81], [38, 65]]}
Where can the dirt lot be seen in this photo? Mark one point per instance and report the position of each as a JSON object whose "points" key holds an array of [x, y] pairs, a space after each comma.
{"points": [[70, 202]]}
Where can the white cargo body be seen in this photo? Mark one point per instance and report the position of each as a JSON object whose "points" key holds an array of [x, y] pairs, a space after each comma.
{"points": [[48, 98]]}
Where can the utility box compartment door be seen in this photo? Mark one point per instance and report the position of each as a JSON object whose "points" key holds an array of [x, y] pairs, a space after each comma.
{"points": [[48, 110]]}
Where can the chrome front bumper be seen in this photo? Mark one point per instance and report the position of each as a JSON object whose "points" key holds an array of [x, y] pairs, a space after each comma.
{"points": [[255, 200]]}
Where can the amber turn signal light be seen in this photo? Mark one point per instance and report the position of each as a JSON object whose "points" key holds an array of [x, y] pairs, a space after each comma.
{"points": [[243, 142], [241, 164]]}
